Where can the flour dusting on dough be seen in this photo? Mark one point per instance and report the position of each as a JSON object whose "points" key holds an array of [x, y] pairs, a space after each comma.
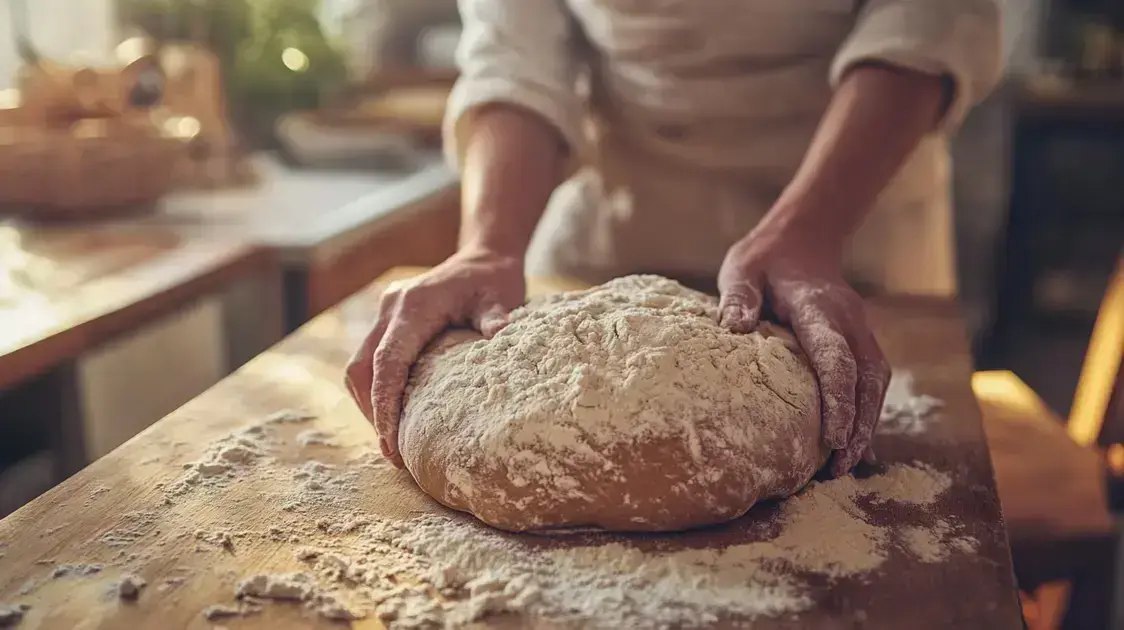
{"points": [[624, 406]]}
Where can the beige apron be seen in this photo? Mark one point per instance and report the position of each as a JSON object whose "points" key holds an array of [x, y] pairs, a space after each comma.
{"points": [[700, 117]]}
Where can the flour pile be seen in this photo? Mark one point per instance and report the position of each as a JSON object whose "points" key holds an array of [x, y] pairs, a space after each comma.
{"points": [[130, 586], [223, 462], [344, 556], [906, 412], [936, 542], [250, 451], [11, 615], [446, 571]]}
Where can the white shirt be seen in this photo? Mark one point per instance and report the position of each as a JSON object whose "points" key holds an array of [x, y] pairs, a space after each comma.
{"points": [[711, 104]]}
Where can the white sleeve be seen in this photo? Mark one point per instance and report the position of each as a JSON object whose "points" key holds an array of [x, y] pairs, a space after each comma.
{"points": [[957, 39], [518, 52]]}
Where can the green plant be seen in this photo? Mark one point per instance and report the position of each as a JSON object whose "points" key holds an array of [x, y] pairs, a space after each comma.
{"points": [[275, 56], [220, 24]]}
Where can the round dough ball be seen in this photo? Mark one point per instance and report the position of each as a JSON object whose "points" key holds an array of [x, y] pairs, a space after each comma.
{"points": [[623, 407]]}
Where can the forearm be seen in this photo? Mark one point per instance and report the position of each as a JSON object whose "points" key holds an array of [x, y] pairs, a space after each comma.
{"points": [[876, 118], [513, 161]]}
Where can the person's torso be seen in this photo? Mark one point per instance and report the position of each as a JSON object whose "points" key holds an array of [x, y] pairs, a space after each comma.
{"points": [[701, 112], [718, 84]]}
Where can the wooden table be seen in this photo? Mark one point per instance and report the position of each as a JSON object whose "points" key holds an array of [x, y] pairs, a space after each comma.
{"points": [[114, 512], [66, 289], [73, 301], [63, 291], [85, 309]]}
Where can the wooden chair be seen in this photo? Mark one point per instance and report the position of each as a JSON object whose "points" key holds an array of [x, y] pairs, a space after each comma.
{"points": [[1053, 476]]}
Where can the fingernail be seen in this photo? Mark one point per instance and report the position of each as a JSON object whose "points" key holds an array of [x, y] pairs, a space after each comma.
{"points": [[489, 326], [732, 317]]}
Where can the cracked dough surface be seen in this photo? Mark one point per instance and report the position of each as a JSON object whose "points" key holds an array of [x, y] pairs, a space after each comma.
{"points": [[623, 407]]}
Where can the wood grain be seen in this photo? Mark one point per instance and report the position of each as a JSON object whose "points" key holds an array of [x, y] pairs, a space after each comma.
{"points": [[119, 493], [63, 291]]}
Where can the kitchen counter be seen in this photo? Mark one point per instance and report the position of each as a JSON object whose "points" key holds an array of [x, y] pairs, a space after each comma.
{"points": [[303, 214], [90, 320], [275, 459], [333, 232], [64, 291], [93, 315]]}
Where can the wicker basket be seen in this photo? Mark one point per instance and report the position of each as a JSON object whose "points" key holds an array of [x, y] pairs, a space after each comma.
{"points": [[92, 168]]}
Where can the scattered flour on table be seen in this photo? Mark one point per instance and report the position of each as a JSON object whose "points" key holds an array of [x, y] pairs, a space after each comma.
{"points": [[936, 543], [219, 538], [94, 495], [615, 585], [170, 583], [917, 485], [249, 451], [314, 437], [319, 480], [51, 531], [233, 456], [76, 570], [130, 585], [216, 612], [449, 571], [79, 570], [288, 586], [223, 462], [299, 587], [11, 615], [290, 416], [905, 412], [132, 527]]}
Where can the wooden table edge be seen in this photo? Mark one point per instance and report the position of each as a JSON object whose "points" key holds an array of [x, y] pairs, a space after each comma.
{"points": [[370, 214], [155, 299]]}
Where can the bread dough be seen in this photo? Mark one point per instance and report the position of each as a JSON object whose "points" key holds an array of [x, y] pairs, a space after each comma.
{"points": [[623, 407]]}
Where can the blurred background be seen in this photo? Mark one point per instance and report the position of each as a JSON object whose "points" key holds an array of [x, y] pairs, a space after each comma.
{"points": [[203, 176]]}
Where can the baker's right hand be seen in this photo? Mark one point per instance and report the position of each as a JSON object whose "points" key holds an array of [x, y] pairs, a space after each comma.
{"points": [[475, 287]]}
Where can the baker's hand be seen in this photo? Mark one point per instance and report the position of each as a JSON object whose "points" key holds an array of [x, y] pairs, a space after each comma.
{"points": [[477, 288], [800, 274]]}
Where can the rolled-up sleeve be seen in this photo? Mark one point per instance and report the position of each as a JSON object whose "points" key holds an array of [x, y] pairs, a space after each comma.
{"points": [[957, 39], [516, 52]]}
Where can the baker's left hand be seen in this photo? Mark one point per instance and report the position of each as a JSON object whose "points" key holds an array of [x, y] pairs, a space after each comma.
{"points": [[797, 274]]}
